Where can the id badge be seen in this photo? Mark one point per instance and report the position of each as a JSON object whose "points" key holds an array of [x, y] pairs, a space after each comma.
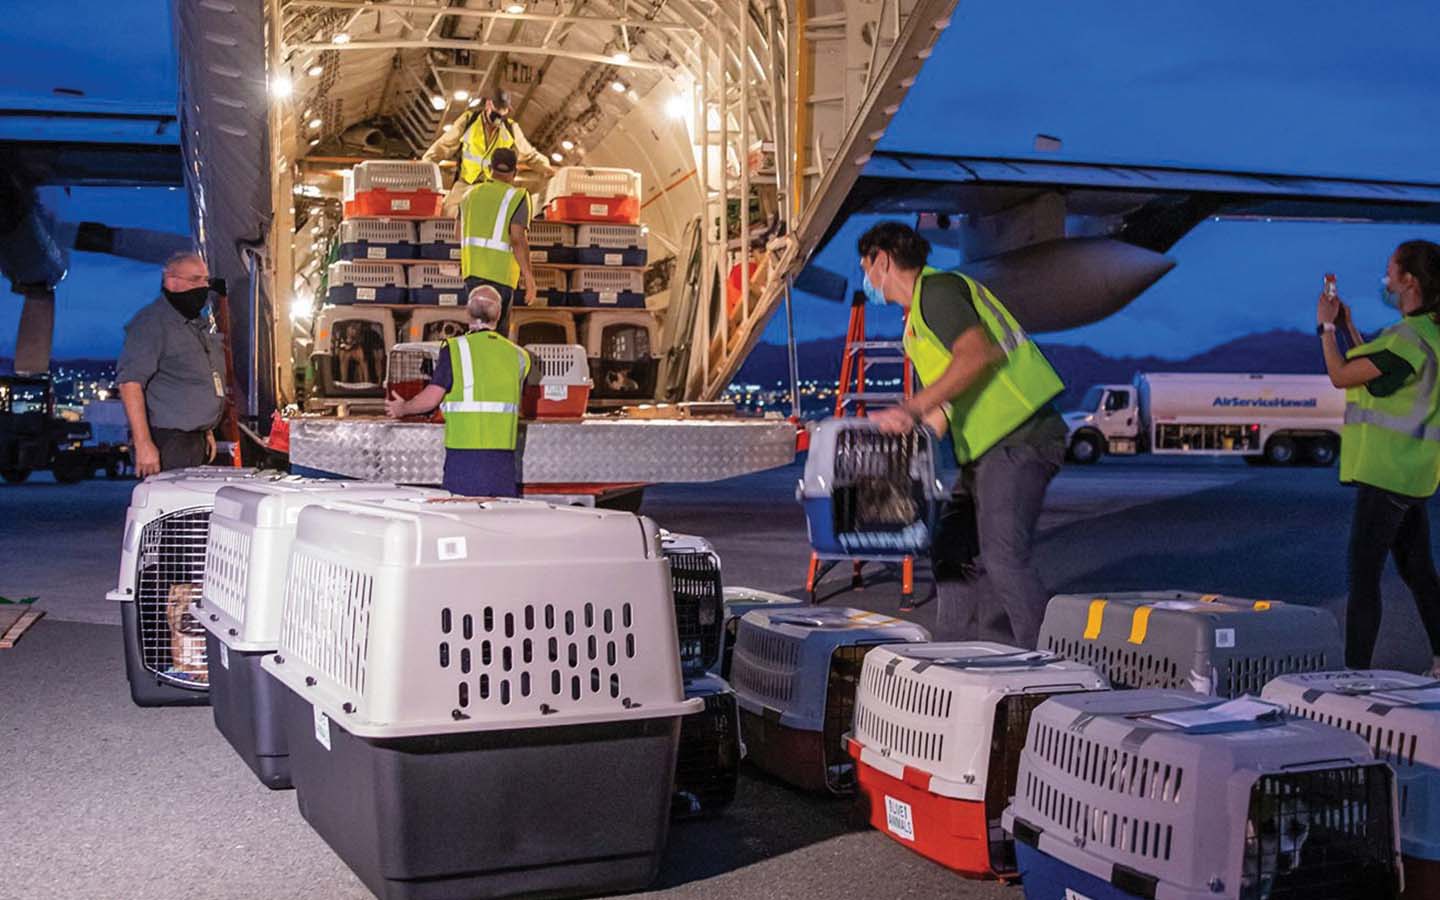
{"points": [[219, 387]]}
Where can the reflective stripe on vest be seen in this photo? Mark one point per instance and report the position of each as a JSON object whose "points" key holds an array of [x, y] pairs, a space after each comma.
{"points": [[485, 252], [1014, 391], [475, 153], [1393, 442], [483, 403]]}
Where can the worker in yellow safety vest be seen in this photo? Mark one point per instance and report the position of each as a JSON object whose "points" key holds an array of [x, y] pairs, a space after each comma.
{"points": [[477, 383], [1390, 444], [988, 384], [493, 226], [472, 140]]}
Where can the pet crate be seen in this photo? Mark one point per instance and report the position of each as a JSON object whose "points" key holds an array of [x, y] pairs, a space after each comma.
{"points": [[795, 673], [1398, 715], [552, 288], [437, 284], [551, 242], [867, 493], [564, 388], [251, 530], [438, 240], [354, 281], [937, 740], [351, 345], [394, 188], [582, 194], [699, 600], [1170, 794], [739, 601], [541, 326], [1207, 643], [707, 766], [410, 369], [162, 565], [431, 324], [377, 239], [624, 351], [610, 245], [608, 288], [453, 741]]}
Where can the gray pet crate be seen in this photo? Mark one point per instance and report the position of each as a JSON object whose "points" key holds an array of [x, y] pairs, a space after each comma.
{"points": [[1170, 795], [699, 600], [1208, 643]]}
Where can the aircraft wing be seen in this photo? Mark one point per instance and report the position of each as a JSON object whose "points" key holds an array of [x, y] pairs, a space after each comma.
{"points": [[93, 144]]}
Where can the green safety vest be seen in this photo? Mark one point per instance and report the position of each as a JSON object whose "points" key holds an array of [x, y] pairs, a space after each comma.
{"points": [[485, 215], [482, 408], [994, 406], [1393, 442], [475, 152]]}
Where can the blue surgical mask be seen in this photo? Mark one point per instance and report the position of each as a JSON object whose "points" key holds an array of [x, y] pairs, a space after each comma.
{"points": [[1387, 296], [872, 293]]}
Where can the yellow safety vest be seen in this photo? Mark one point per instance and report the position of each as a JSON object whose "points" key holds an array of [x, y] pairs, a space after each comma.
{"points": [[999, 403], [485, 216], [475, 151], [1393, 442], [482, 407]]}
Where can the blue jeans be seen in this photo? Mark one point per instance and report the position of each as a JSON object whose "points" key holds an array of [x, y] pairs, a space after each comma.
{"points": [[998, 596], [480, 473]]}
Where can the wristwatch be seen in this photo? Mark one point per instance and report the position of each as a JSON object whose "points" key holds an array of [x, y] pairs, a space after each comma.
{"points": [[1325, 328]]}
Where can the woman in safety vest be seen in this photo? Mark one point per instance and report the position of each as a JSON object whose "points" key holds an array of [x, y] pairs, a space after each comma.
{"points": [[1390, 445]]}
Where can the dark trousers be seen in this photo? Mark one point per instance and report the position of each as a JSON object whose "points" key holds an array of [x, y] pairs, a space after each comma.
{"points": [[481, 473], [180, 449], [997, 595], [507, 296], [1387, 523]]}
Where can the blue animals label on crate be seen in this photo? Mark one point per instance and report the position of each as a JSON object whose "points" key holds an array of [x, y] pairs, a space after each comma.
{"points": [[899, 819]]}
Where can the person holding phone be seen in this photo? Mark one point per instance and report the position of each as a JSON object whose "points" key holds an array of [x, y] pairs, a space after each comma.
{"points": [[1390, 444]]}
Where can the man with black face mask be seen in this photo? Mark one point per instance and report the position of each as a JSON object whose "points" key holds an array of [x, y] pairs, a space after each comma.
{"points": [[170, 372], [472, 140]]}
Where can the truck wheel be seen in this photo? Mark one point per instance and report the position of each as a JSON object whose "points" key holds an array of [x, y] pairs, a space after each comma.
{"points": [[1280, 450], [69, 468], [1086, 448], [15, 474], [1323, 451]]}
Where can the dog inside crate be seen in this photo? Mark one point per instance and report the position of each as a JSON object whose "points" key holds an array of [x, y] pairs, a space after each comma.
{"points": [[876, 488], [443, 330], [358, 358]]}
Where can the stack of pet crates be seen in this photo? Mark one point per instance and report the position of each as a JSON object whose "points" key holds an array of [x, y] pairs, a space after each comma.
{"points": [[247, 557], [1207, 643], [708, 764], [162, 567], [449, 741], [937, 738], [795, 673], [1154, 794], [1398, 715], [868, 494]]}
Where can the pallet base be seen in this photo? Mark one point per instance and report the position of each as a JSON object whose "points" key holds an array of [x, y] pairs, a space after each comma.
{"points": [[12, 629]]}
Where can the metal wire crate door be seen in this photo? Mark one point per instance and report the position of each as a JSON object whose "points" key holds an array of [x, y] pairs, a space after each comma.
{"points": [[171, 570]]}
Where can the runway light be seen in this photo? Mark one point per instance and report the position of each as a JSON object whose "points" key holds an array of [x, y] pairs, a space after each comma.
{"points": [[462, 95], [315, 71], [437, 101], [676, 107], [340, 37], [315, 123], [282, 87], [567, 144], [618, 86], [557, 156]]}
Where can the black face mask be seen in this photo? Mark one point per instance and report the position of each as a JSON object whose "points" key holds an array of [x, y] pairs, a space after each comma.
{"points": [[188, 303], [496, 116]]}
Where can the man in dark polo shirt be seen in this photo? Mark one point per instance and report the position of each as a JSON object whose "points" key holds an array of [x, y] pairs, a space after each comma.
{"points": [[170, 372]]}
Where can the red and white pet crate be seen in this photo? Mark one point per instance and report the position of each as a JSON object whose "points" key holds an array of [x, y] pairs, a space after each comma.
{"points": [[564, 388], [584, 194], [394, 188]]}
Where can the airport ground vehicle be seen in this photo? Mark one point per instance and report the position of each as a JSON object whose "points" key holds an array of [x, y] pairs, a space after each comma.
{"points": [[36, 438], [1277, 419]]}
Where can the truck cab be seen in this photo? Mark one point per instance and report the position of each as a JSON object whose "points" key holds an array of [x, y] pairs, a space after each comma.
{"points": [[1107, 421]]}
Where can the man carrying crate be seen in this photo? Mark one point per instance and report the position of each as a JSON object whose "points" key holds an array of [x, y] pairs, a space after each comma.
{"points": [[477, 384], [494, 229], [989, 384]]}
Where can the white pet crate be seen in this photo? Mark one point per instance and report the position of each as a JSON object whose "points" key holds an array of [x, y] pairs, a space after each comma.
{"points": [[610, 245], [438, 240], [551, 242], [474, 686], [363, 281], [608, 288], [1398, 715], [795, 673], [937, 739], [377, 239], [437, 284], [624, 350], [162, 566], [1171, 794], [247, 558], [1208, 643], [541, 326], [351, 348]]}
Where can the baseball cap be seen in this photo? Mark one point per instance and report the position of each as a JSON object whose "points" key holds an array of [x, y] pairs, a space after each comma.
{"points": [[503, 159]]}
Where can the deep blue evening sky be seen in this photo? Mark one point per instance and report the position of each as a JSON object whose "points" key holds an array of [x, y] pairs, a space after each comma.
{"points": [[1314, 87]]}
